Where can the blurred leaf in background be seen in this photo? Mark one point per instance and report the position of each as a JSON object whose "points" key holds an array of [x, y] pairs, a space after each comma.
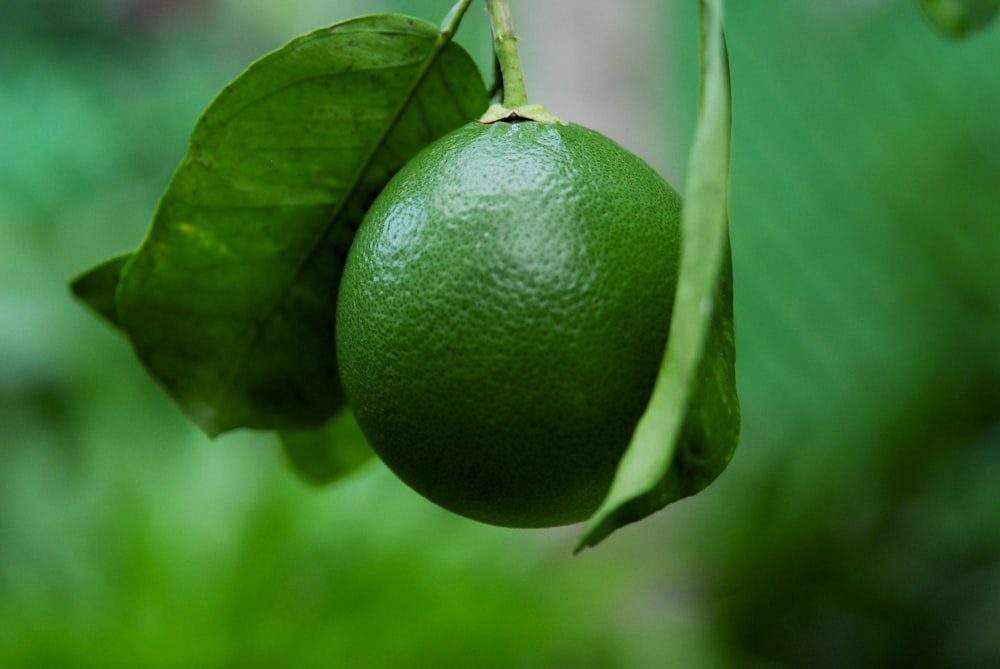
{"points": [[863, 530], [959, 18], [857, 525]]}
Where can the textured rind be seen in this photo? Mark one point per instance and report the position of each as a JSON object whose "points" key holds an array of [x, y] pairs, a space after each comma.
{"points": [[502, 316]]}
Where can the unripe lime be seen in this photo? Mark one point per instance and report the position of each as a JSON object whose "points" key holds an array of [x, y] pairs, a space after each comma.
{"points": [[502, 316]]}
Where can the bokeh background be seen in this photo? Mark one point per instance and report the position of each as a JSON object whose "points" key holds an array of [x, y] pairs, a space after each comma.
{"points": [[857, 526]]}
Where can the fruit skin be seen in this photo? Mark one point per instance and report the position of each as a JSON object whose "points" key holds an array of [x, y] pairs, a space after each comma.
{"points": [[502, 315]]}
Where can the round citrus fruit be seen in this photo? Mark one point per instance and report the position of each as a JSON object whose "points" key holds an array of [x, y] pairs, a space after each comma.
{"points": [[502, 316]]}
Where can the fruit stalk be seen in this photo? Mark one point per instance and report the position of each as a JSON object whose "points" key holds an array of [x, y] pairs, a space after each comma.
{"points": [[505, 46]]}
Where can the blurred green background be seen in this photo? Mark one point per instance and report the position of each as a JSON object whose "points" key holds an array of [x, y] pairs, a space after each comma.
{"points": [[857, 526]]}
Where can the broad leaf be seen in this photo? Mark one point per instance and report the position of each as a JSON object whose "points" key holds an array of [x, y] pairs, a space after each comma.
{"points": [[328, 453], [691, 427], [230, 301], [959, 18], [97, 288]]}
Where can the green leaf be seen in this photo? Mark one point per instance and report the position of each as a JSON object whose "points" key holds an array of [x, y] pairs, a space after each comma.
{"points": [[97, 288], [230, 301], [691, 427], [327, 453], [960, 18]]}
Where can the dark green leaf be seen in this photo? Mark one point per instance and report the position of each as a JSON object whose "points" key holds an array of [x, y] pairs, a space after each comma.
{"points": [[97, 288], [230, 301], [325, 454], [959, 18], [691, 427]]}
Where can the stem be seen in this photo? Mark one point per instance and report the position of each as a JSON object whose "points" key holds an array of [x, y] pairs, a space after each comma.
{"points": [[505, 45], [454, 17]]}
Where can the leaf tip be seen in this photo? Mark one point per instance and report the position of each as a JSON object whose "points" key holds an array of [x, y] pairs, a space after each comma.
{"points": [[206, 417], [583, 544], [97, 287]]}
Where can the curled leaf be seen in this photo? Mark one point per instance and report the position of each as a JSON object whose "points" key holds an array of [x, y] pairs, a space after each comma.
{"points": [[691, 426]]}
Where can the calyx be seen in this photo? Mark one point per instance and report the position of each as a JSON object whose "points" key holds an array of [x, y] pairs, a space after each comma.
{"points": [[539, 113]]}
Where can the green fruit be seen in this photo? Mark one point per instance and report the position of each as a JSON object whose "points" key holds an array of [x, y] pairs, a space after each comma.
{"points": [[502, 316]]}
